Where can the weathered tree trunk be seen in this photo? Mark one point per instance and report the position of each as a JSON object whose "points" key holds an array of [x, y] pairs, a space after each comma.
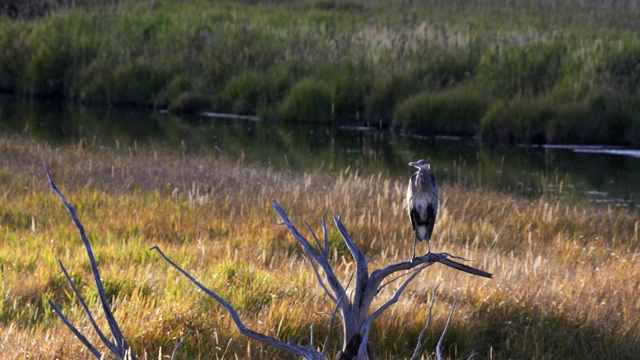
{"points": [[356, 313]]}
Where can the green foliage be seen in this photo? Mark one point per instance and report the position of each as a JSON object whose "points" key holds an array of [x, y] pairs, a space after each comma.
{"points": [[350, 84], [622, 69], [93, 83], [524, 70], [444, 68], [308, 101], [12, 56], [572, 125], [250, 91], [387, 91], [15, 220], [457, 111], [244, 58], [342, 6], [55, 52], [136, 83], [190, 103], [520, 120]]}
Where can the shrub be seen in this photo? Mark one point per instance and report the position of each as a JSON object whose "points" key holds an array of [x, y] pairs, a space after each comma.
{"points": [[574, 124], [609, 117], [456, 111], [602, 117], [445, 68], [386, 92], [520, 120], [12, 56], [190, 103], [621, 69], [54, 52], [526, 70], [350, 84], [250, 91], [178, 86], [307, 101], [93, 83], [632, 131], [136, 83]]}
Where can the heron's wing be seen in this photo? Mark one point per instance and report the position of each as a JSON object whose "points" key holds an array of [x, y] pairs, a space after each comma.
{"points": [[432, 210], [435, 190], [414, 215]]}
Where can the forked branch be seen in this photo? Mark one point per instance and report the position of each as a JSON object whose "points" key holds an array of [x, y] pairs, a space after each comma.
{"points": [[356, 314], [119, 346], [304, 351]]}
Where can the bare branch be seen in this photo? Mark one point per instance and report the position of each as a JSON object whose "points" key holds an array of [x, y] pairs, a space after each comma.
{"points": [[356, 320], [332, 279], [120, 343], [319, 277], [394, 280], [326, 239], [326, 339], [175, 350], [395, 297], [314, 236], [112, 347], [333, 315], [444, 259], [444, 332], [378, 275], [424, 329], [75, 331], [364, 330], [306, 352], [362, 264]]}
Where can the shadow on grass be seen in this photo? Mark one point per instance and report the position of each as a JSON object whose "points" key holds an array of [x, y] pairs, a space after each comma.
{"points": [[512, 331]]}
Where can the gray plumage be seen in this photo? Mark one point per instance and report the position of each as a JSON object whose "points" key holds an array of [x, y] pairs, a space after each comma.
{"points": [[422, 202]]}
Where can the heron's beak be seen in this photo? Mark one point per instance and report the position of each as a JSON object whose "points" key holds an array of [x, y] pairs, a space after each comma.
{"points": [[414, 164]]}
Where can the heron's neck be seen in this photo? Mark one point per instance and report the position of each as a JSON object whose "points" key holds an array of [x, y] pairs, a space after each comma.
{"points": [[424, 180]]}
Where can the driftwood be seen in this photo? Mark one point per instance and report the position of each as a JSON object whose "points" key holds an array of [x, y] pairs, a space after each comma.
{"points": [[119, 346], [355, 312]]}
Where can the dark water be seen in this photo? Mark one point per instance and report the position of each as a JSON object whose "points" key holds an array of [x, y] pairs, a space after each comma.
{"points": [[595, 174]]}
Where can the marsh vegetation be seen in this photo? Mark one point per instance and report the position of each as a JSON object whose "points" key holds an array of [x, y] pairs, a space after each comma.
{"points": [[526, 71], [565, 282]]}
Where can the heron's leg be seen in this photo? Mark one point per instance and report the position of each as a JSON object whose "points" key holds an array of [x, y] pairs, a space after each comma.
{"points": [[428, 247], [415, 242]]}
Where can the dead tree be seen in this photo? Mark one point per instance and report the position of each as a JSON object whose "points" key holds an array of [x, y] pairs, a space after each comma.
{"points": [[355, 312], [118, 346]]}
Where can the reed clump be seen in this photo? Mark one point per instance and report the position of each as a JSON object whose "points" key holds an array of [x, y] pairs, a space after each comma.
{"points": [[562, 271], [374, 57]]}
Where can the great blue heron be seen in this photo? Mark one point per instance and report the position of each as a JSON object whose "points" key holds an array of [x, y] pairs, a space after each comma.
{"points": [[422, 203]]}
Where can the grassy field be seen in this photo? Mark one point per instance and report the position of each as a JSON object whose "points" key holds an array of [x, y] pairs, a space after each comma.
{"points": [[566, 276], [526, 71]]}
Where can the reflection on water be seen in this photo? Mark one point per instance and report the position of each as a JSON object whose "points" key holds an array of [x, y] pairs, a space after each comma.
{"points": [[593, 173]]}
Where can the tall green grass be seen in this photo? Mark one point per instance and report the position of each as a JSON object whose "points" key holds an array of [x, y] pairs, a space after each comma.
{"points": [[374, 57]]}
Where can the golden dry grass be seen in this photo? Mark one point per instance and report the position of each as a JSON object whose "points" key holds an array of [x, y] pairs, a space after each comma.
{"points": [[566, 282]]}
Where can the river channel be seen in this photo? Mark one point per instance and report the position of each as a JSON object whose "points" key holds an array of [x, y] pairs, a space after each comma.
{"points": [[597, 174]]}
